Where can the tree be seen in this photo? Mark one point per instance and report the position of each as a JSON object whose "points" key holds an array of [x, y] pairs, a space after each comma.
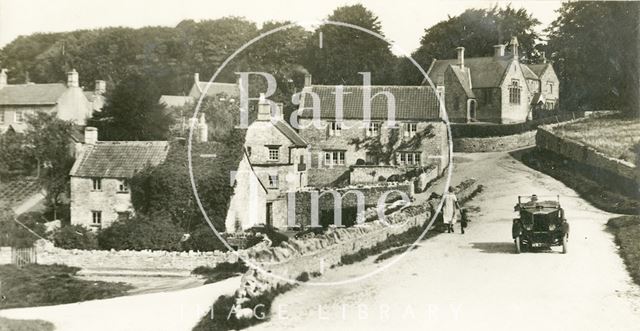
{"points": [[594, 49], [132, 112], [15, 159], [477, 30], [346, 51], [48, 138]]}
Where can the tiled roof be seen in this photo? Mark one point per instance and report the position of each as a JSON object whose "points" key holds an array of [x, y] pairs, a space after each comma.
{"points": [[290, 133], [485, 71], [463, 78], [528, 73], [174, 100], [412, 102], [31, 94], [119, 159], [538, 69], [230, 89]]}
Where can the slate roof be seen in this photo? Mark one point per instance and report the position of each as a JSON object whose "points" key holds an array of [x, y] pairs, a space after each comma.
{"points": [[290, 133], [230, 89], [538, 69], [463, 78], [175, 100], [528, 73], [412, 102], [485, 71], [31, 94], [119, 159]]}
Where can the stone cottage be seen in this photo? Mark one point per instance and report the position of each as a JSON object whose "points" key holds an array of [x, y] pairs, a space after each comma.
{"points": [[99, 177], [18, 100], [498, 89], [414, 136]]}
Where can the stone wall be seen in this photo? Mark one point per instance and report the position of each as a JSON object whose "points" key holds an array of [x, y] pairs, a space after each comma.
{"points": [[369, 174], [495, 144], [576, 151], [319, 253]]}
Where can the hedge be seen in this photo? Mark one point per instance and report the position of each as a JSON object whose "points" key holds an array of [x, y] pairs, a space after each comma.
{"points": [[498, 130]]}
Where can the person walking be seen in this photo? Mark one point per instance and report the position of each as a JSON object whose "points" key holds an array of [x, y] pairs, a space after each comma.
{"points": [[450, 204]]}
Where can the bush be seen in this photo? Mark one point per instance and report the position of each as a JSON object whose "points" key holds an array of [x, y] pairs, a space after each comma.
{"points": [[75, 237], [142, 232], [14, 234], [205, 240]]}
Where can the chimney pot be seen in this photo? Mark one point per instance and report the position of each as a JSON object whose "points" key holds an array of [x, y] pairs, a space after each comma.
{"points": [[72, 78], [498, 50], [90, 135], [514, 47], [460, 56], [203, 129], [307, 79], [196, 77], [264, 109]]}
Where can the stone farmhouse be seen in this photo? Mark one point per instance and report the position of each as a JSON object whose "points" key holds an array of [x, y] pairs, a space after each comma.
{"points": [[68, 101], [339, 143], [498, 89]]}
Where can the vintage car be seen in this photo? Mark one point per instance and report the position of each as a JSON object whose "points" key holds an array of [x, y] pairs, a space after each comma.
{"points": [[541, 224]]}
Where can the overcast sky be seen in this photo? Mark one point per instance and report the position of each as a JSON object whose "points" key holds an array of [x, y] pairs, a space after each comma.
{"points": [[403, 21]]}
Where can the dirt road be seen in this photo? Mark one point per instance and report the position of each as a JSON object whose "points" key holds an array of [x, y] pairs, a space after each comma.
{"points": [[474, 281]]}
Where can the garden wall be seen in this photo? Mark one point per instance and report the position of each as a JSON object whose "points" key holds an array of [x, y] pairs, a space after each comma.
{"points": [[579, 152], [370, 174], [319, 253], [494, 144]]}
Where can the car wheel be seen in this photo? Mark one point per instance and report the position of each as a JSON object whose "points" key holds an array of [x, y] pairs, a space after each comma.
{"points": [[518, 248], [565, 243]]}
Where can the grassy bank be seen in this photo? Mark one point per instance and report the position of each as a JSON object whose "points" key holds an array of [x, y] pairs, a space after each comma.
{"points": [[43, 285], [221, 271], [614, 135], [627, 232], [25, 325], [601, 189]]}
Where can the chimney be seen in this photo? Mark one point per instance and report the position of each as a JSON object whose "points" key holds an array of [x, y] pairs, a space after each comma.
{"points": [[72, 78], [279, 111], [498, 50], [514, 47], [3, 78], [544, 57], [307, 79], [90, 135], [196, 78], [101, 87], [264, 109], [460, 56], [203, 129]]}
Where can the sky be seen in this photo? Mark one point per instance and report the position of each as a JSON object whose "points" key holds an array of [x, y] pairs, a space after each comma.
{"points": [[403, 21]]}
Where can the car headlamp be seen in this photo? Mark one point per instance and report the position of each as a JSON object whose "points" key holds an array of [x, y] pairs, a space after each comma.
{"points": [[552, 226], [528, 224]]}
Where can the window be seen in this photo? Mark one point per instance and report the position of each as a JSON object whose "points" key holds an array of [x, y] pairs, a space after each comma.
{"points": [[409, 158], [273, 181], [332, 158], [550, 105], [373, 129], [274, 153], [96, 218], [1, 116], [514, 92], [123, 186], [123, 216], [549, 87], [97, 184], [335, 128], [19, 116], [410, 129]]}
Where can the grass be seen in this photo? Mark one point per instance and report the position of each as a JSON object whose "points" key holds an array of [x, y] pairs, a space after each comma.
{"points": [[221, 271], [601, 189], [614, 135], [25, 325], [41, 285], [627, 232]]}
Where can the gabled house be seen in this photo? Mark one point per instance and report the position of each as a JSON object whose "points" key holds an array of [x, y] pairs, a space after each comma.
{"points": [[545, 87], [18, 100], [414, 136], [100, 177], [97, 96], [276, 153], [496, 89]]}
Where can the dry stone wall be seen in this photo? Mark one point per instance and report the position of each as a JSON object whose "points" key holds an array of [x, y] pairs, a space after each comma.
{"points": [[494, 144], [546, 139]]}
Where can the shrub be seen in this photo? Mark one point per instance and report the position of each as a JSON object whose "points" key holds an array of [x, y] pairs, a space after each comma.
{"points": [[14, 234], [142, 232], [205, 240], [75, 237]]}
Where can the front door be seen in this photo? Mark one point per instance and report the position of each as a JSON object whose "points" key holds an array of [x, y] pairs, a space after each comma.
{"points": [[269, 216]]}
